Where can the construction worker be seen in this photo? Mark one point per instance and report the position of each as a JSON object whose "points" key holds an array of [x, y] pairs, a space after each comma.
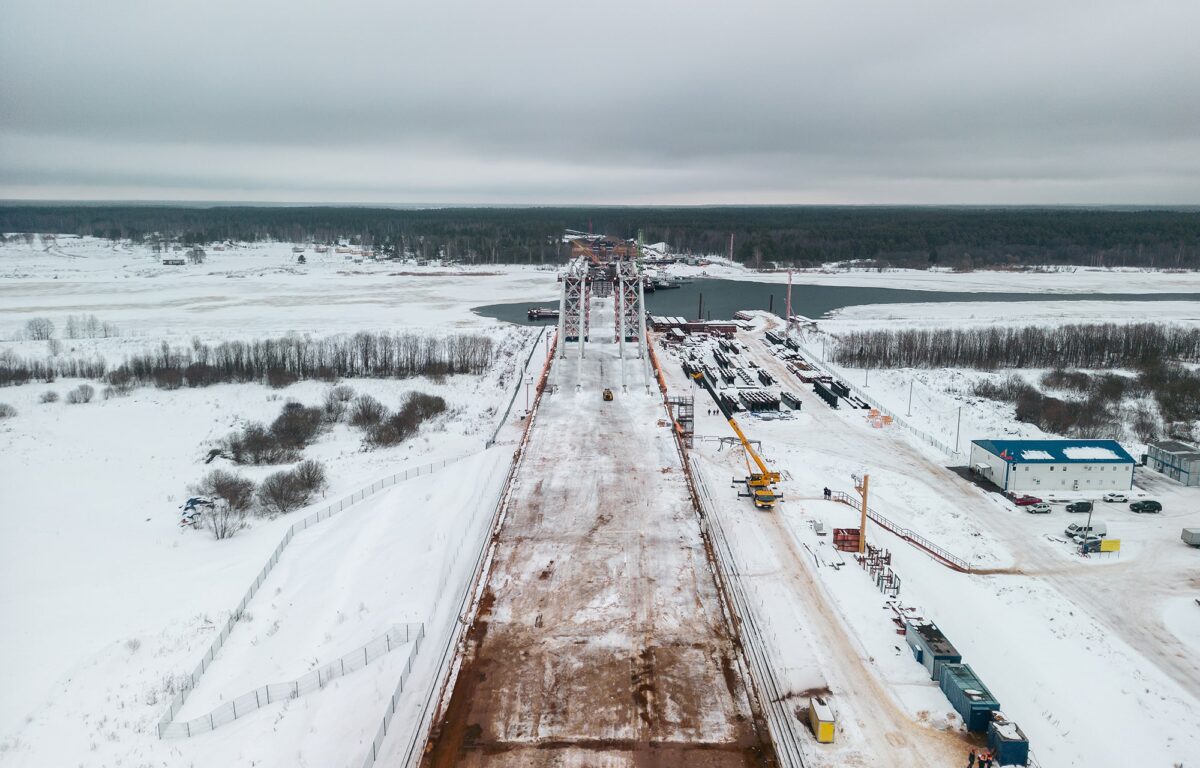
{"points": [[971, 759], [985, 759]]}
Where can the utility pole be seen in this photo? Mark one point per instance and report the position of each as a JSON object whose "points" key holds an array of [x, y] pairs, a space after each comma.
{"points": [[861, 487], [528, 381], [788, 319], [958, 432], [867, 377], [910, 387], [1083, 545]]}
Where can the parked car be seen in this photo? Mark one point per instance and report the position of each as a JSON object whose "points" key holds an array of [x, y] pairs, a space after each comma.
{"points": [[1148, 505], [1078, 529], [1115, 496], [1089, 543], [1041, 508], [1024, 501], [1079, 506]]}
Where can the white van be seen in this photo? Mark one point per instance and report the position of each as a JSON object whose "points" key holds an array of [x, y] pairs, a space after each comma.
{"points": [[1097, 529]]}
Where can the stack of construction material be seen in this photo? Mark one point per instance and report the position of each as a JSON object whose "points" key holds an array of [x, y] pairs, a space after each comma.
{"points": [[758, 400]]}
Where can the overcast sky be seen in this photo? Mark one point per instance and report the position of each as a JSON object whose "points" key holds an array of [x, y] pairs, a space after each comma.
{"points": [[390, 101]]}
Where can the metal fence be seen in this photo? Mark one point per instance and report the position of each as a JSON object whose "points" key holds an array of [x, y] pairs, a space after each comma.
{"points": [[399, 636], [520, 382], [188, 683], [942, 554], [920, 434]]}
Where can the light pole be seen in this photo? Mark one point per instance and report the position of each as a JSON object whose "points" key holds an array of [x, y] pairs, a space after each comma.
{"points": [[1083, 544], [528, 381]]}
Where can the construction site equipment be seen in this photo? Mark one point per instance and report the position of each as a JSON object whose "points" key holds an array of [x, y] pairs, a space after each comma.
{"points": [[825, 394], [821, 720], [790, 399], [930, 647], [845, 539], [760, 485], [1007, 742], [968, 695], [608, 395], [758, 400]]}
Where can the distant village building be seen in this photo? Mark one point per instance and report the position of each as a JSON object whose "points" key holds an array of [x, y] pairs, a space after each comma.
{"points": [[1177, 460], [173, 259], [1053, 465]]}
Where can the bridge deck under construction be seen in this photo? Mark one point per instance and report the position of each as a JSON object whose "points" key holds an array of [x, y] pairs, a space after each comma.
{"points": [[600, 639]]}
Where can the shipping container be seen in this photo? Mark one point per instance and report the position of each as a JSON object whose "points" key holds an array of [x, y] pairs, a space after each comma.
{"points": [[1007, 742], [821, 720], [968, 695], [930, 647]]}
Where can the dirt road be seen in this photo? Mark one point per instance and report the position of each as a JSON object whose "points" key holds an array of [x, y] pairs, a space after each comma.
{"points": [[600, 640]]}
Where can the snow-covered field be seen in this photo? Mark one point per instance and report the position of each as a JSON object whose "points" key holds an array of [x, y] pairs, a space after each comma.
{"points": [[107, 601]]}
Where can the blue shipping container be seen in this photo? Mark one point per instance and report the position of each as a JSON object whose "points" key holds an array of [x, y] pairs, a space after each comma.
{"points": [[1006, 741], [968, 695], [930, 647]]}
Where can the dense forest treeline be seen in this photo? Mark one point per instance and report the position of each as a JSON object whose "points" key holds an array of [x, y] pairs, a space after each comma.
{"points": [[277, 362], [1104, 345], [960, 238]]}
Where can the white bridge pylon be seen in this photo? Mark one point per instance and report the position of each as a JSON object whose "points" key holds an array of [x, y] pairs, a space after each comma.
{"points": [[588, 285]]}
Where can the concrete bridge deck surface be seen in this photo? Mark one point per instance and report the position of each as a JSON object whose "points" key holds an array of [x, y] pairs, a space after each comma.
{"points": [[600, 640]]}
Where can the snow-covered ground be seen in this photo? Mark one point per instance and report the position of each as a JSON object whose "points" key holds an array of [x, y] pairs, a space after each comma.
{"points": [[256, 287], [107, 601], [1069, 653], [1051, 280]]}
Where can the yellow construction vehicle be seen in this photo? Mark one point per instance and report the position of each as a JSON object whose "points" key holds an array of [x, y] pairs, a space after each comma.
{"points": [[760, 485], [608, 395]]}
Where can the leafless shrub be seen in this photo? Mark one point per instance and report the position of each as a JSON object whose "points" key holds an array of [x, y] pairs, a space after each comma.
{"points": [[81, 394], [49, 396], [256, 444], [281, 493], [366, 411], [336, 402], [296, 425], [7, 411], [312, 476], [224, 521], [405, 422], [237, 491]]}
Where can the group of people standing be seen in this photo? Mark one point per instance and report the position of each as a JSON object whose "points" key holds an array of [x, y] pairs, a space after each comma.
{"points": [[985, 759]]}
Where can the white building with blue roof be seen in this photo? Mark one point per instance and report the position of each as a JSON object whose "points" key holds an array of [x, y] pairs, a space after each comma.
{"points": [[1054, 465]]}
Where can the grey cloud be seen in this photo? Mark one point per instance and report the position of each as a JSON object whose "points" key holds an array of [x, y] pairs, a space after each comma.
{"points": [[561, 102]]}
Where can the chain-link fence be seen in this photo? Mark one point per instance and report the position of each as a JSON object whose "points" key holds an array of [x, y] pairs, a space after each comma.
{"points": [[520, 383], [188, 683], [399, 636]]}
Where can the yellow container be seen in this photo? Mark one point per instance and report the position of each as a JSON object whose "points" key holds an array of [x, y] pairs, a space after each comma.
{"points": [[821, 720]]}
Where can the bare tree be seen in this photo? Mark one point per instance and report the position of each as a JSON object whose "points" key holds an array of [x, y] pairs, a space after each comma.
{"points": [[223, 520], [39, 329], [237, 491]]}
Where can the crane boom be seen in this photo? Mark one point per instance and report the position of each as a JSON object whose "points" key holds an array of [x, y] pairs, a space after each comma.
{"points": [[768, 477]]}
